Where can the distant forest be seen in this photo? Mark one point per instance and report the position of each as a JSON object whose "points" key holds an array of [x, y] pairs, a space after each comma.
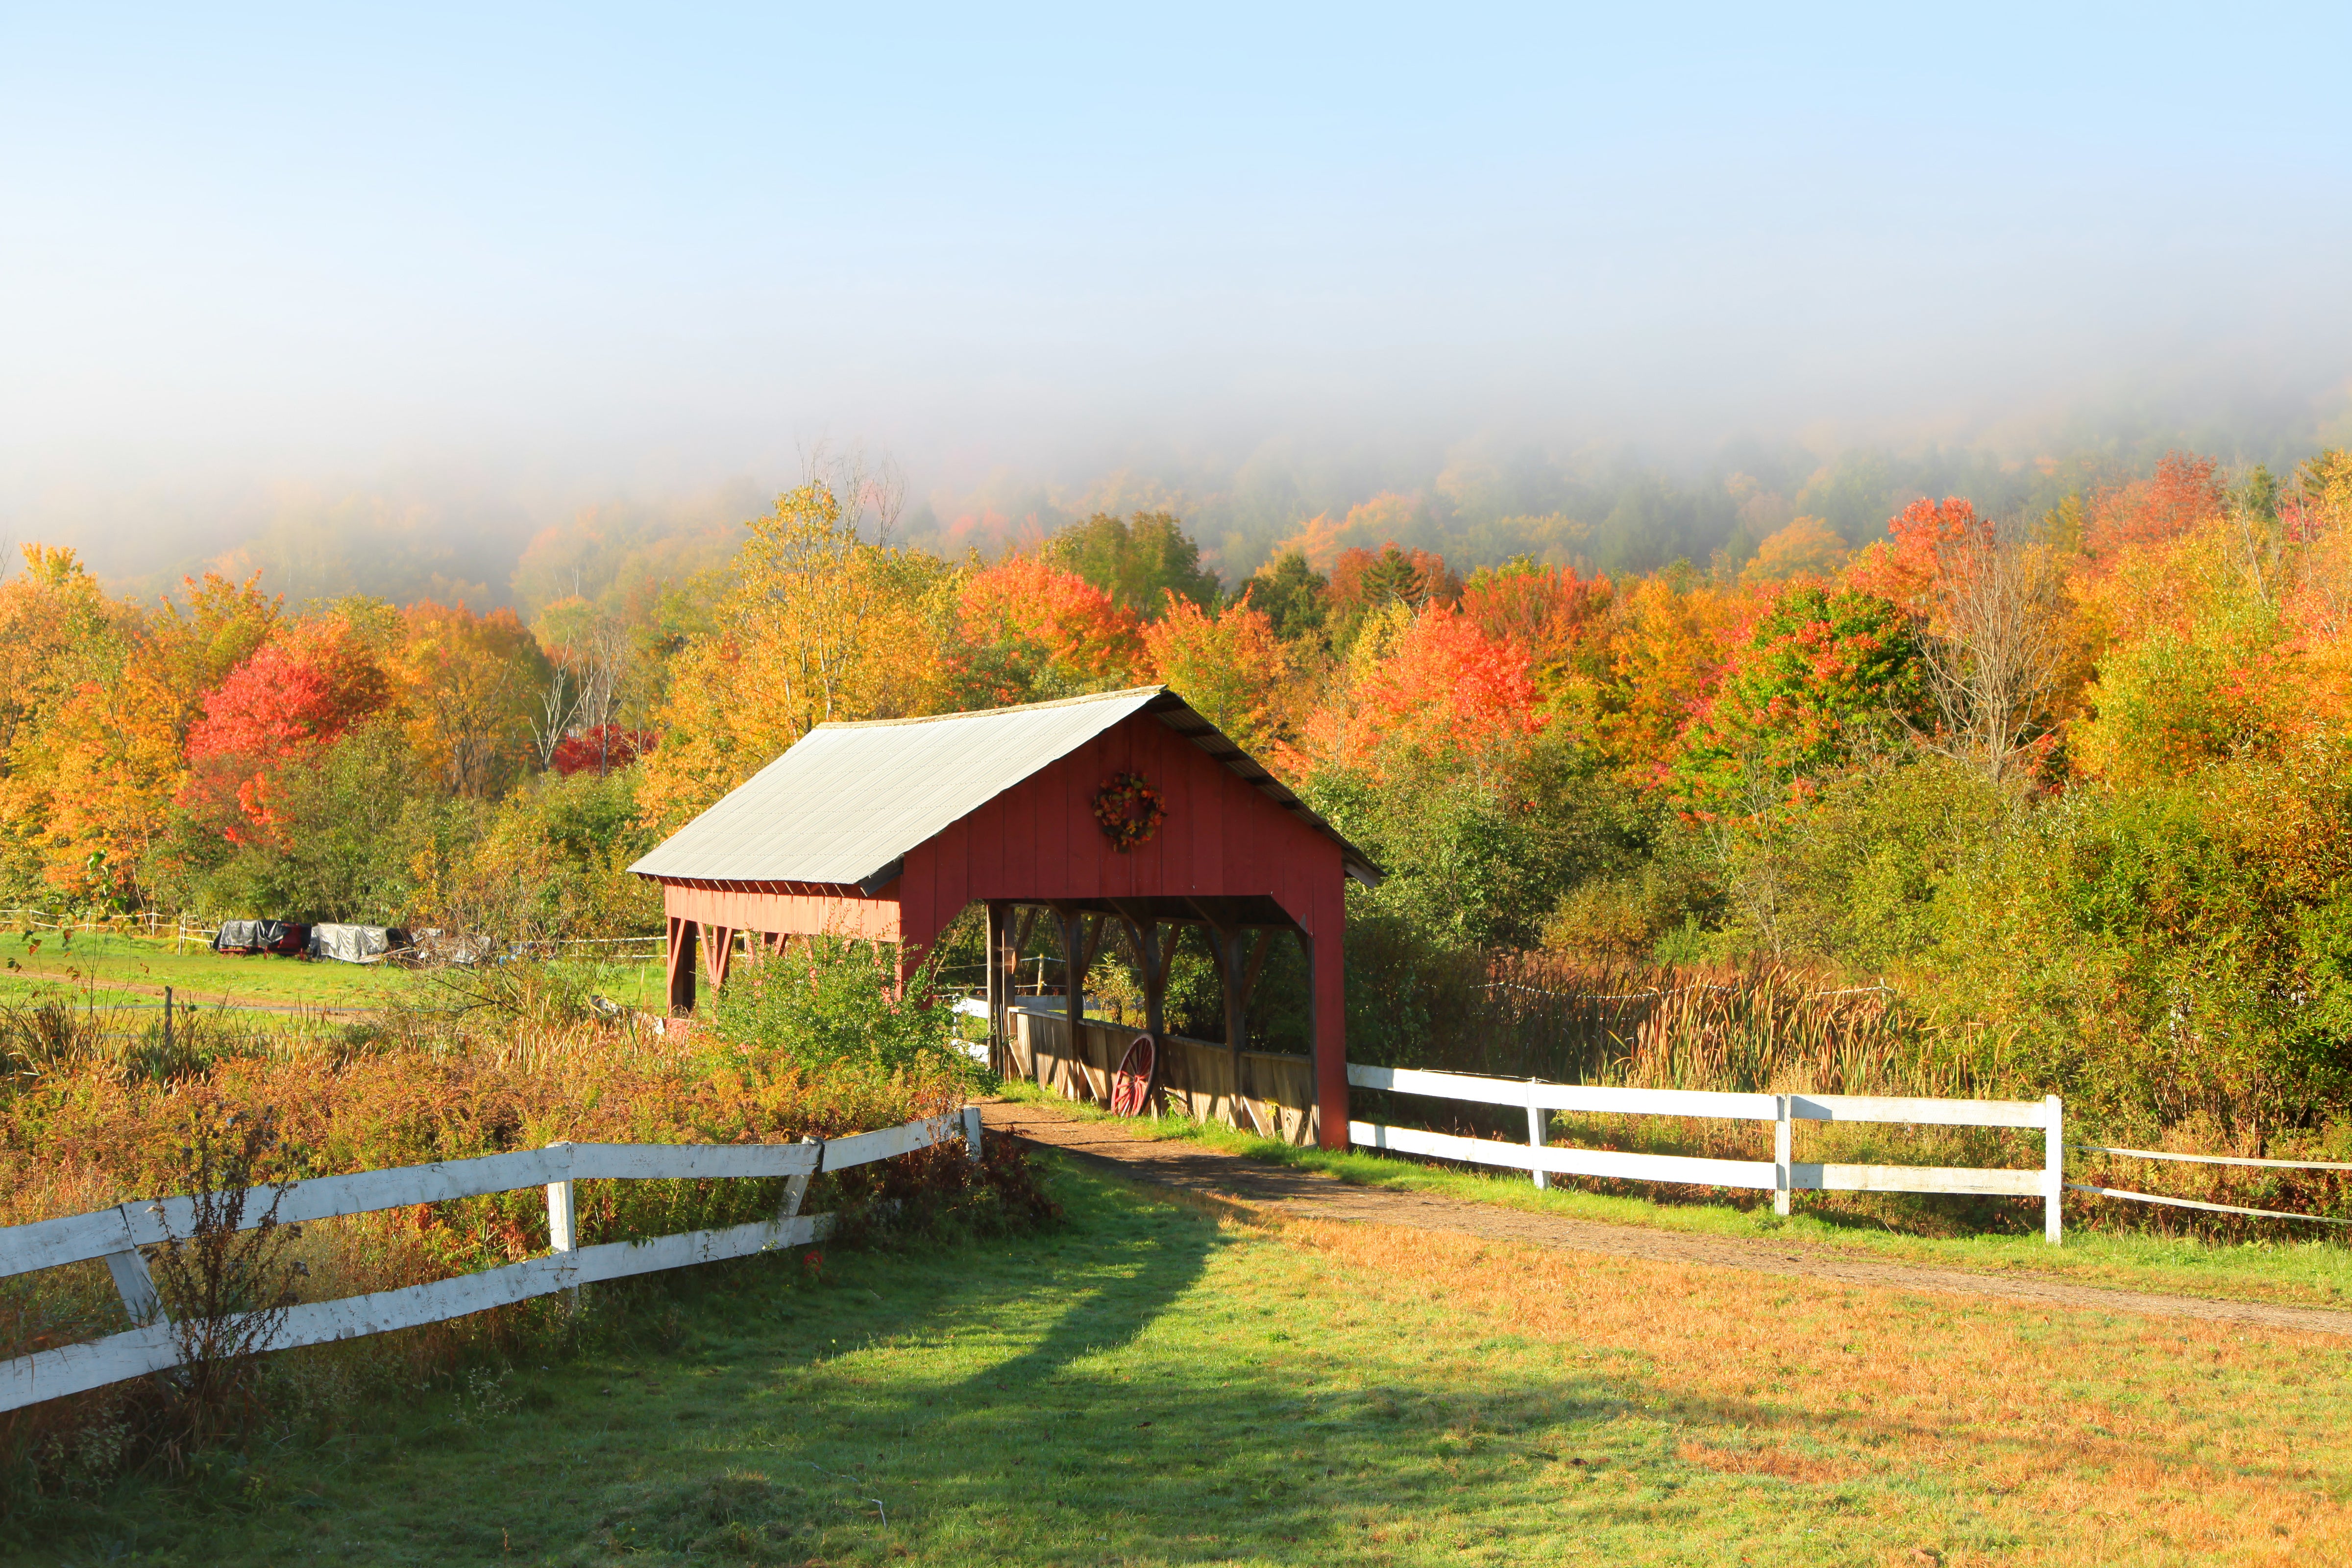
{"points": [[2062, 756]]}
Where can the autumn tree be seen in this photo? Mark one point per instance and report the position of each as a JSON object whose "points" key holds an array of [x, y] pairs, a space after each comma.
{"points": [[1137, 560], [1423, 687], [1822, 675], [2183, 492], [1666, 644], [816, 624], [1549, 611], [1806, 547], [92, 724], [1231, 666], [1290, 594], [2326, 485], [472, 684], [302, 689], [1033, 631], [1988, 607], [593, 660]]}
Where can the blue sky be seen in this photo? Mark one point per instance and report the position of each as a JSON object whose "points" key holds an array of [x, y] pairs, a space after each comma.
{"points": [[561, 248]]}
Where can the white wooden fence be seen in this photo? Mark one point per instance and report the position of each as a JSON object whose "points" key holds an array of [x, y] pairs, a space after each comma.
{"points": [[116, 1235], [1779, 1175]]}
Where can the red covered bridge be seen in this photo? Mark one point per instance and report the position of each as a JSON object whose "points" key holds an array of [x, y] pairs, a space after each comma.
{"points": [[1126, 813]]}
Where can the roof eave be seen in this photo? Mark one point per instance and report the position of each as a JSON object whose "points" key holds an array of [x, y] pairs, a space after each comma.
{"points": [[1189, 722]]}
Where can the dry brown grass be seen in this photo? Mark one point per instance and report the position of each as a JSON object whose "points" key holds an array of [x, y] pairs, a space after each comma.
{"points": [[2087, 1439]]}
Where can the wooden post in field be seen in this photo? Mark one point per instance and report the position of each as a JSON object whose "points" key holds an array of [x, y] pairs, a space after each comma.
{"points": [[563, 1229], [167, 1023], [971, 1131], [2053, 1177], [1783, 1172], [1538, 1119]]}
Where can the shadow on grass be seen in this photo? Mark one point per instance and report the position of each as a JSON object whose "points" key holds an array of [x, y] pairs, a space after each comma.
{"points": [[1124, 1386]]}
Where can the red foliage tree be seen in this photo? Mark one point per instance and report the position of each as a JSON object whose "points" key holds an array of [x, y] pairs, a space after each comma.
{"points": [[1924, 538], [304, 687], [1445, 690], [1546, 610], [602, 750], [1035, 629], [2183, 493]]}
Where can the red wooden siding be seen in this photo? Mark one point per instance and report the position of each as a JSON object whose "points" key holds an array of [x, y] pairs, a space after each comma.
{"points": [[1039, 842]]}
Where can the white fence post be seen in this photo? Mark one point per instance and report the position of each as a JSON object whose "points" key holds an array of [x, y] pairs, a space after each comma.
{"points": [[795, 1191], [971, 1131], [2054, 1156], [1783, 1172], [1537, 1128], [136, 1287], [563, 1227]]}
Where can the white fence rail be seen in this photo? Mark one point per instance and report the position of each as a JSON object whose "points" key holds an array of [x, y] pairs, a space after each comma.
{"points": [[1779, 1175], [116, 1235]]}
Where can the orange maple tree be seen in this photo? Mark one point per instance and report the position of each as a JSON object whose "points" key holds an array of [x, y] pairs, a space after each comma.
{"points": [[1036, 630], [1439, 688]]}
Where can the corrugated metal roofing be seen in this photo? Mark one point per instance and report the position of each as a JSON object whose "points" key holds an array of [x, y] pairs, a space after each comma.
{"points": [[847, 802]]}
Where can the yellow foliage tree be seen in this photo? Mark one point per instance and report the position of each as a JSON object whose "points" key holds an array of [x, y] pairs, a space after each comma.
{"points": [[1807, 547], [816, 624], [1667, 641], [472, 685], [96, 704]]}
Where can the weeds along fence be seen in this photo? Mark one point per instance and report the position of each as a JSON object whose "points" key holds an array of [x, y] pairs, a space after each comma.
{"points": [[1535, 1015], [121, 1237]]}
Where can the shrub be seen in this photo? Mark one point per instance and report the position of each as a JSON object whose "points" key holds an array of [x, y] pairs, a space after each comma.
{"points": [[831, 1002]]}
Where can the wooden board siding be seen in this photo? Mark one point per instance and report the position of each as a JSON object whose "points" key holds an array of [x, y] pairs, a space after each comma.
{"points": [[1038, 842], [773, 908]]}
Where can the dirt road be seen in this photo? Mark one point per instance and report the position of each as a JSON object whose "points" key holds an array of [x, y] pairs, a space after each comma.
{"points": [[1312, 1195]]}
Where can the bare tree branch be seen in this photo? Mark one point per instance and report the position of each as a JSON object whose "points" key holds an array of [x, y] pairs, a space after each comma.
{"points": [[1992, 647], [557, 705]]}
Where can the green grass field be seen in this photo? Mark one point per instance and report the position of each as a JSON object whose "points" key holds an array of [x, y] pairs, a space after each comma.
{"points": [[1151, 1383], [2316, 1272], [120, 970]]}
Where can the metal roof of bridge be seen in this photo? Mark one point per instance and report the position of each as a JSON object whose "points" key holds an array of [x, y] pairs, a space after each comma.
{"points": [[847, 803]]}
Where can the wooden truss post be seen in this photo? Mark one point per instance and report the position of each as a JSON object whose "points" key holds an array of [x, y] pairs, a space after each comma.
{"points": [[680, 958], [1153, 946], [1156, 945], [1081, 935], [1326, 1024], [1000, 1038], [1240, 953], [719, 954], [1071, 925]]}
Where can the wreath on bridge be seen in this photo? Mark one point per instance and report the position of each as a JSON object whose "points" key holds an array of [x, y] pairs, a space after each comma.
{"points": [[1129, 810]]}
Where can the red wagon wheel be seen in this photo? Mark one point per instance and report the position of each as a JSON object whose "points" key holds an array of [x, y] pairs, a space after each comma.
{"points": [[1130, 1086]]}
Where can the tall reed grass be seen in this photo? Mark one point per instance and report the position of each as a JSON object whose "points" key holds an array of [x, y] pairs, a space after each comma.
{"points": [[1779, 1029]]}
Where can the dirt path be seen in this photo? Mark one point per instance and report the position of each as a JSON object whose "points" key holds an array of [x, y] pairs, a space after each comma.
{"points": [[1311, 1195]]}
